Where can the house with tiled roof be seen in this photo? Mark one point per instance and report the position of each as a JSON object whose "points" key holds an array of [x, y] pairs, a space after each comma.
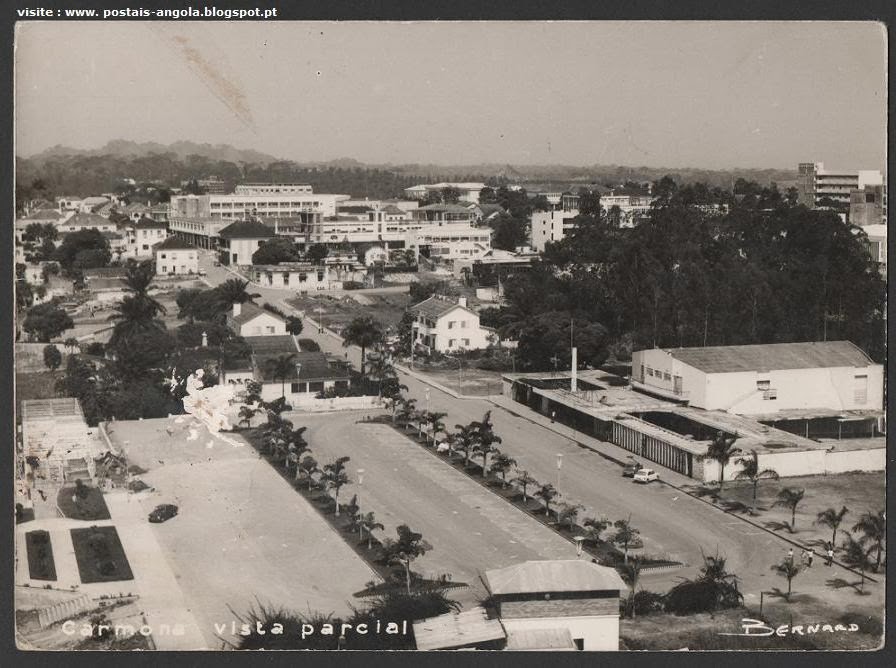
{"points": [[85, 221], [174, 256], [144, 234], [249, 319], [539, 602], [446, 325], [239, 240], [45, 215], [765, 378]]}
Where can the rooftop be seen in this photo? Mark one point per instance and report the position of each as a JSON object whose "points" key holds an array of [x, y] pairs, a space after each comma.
{"points": [[307, 367], [246, 229], [435, 306], [87, 220], [44, 214], [267, 345], [250, 311], [148, 223], [445, 208], [173, 242], [774, 356], [559, 575], [457, 630], [49, 409], [557, 639]]}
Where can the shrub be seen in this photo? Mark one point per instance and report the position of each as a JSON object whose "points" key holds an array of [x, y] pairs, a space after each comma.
{"points": [[96, 348], [648, 602], [352, 285], [309, 346]]}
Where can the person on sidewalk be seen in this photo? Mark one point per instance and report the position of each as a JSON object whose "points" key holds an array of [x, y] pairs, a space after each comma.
{"points": [[830, 555], [553, 415], [790, 555], [809, 557]]}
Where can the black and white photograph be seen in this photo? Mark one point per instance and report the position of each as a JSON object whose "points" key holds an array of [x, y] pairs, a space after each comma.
{"points": [[448, 335]]}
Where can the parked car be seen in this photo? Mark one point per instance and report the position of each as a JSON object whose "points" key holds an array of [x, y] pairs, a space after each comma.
{"points": [[630, 469], [645, 476], [163, 512]]}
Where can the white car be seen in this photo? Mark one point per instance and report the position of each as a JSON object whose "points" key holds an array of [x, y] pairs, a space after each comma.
{"points": [[646, 475]]}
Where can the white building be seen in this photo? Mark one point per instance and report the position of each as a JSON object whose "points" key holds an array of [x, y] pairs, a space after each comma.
{"points": [[85, 221], [575, 595], [241, 239], [550, 226], [273, 189], [469, 192], [816, 183], [251, 320], [308, 206], [763, 379], [451, 242], [143, 235], [442, 325], [175, 256], [298, 276]]}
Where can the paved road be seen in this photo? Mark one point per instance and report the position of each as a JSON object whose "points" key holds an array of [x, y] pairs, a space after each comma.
{"points": [[470, 528], [243, 534], [672, 523]]}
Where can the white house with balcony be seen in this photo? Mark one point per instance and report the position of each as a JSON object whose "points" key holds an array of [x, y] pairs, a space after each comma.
{"points": [[443, 325], [763, 379]]}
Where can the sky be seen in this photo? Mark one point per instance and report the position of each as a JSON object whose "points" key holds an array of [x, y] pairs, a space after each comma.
{"points": [[658, 94]]}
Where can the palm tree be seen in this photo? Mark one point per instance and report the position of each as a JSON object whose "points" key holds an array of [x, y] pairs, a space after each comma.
{"points": [[595, 528], [368, 523], [857, 556], [789, 570], [874, 533], [625, 535], [502, 463], [721, 450], [547, 493], [714, 572], [405, 411], [381, 370], [246, 415], [71, 343], [832, 519], [420, 418], [335, 477], [364, 332], [485, 439], [790, 497], [436, 426], [464, 440], [282, 367], [135, 314], [234, 291], [632, 572], [524, 481], [750, 471], [408, 547], [568, 513], [309, 466]]}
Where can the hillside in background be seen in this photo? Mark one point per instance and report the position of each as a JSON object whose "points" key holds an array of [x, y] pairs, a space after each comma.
{"points": [[65, 171]]}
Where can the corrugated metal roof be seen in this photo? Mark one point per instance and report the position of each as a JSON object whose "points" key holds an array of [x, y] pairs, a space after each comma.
{"points": [[540, 639], [773, 356], [457, 630], [532, 577]]}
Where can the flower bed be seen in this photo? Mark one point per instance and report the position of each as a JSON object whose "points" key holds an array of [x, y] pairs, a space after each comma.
{"points": [[41, 565], [100, 555], [86, 505], [605, 552]]}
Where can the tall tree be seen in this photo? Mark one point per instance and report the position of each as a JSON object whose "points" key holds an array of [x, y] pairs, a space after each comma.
{"points": [[787, 569], [282, 367], [364, 332], [832, 518], [722, 450], [52, 357], [750, 471], [874, 534], [335, 477], [790, 498], [625, 535], [405, 549]]}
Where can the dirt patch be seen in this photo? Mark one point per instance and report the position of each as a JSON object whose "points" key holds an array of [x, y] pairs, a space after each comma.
{"points": [[336, 313]]}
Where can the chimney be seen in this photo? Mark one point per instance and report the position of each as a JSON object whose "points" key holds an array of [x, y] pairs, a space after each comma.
{"points": [[462, 301], [574, 380], [237, 309]]}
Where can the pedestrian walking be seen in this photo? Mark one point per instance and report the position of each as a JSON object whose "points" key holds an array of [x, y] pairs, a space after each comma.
{"points": [[830, 555], [809, 559], [790, 555], [553, 415]]}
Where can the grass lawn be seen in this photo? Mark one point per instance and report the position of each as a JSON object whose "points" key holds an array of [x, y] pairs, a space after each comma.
{"points": [[703, 632], [100, 555], [92, 507], [36, 385], [40, 556], [859, 492]]}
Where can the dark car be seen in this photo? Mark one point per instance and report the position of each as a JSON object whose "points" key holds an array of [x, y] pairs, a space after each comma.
{"points": [[162, 513], [631, 468]]}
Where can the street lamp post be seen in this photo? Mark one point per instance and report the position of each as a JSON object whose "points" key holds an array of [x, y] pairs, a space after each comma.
{"points": [[426, 394], [360, 512], [320, 319], [559, 466]]}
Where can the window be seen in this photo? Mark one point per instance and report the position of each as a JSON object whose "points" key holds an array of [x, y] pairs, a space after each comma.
{"points": [[294, 388], [763, 385], [466, 342], [164, 268], [316, 386], [770, 395], [161, 255], [463, 324], [580, 644], [303, 277], [450, 324], [270, 329], [451, 343], [869, 198], [649, 371], [861, 389], [667, 375]]}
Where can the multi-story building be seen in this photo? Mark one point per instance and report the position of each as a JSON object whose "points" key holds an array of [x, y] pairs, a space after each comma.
{"points": [[467, 192], [450, 242], [868, 206], [298, 276], [443, 325], [632, 208], [815, 183], [239, 241], [142, 235], [550, 226], [307, 206], [273, 189], [444, 213], [212, 185], [201, 232], [175, 256]]}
